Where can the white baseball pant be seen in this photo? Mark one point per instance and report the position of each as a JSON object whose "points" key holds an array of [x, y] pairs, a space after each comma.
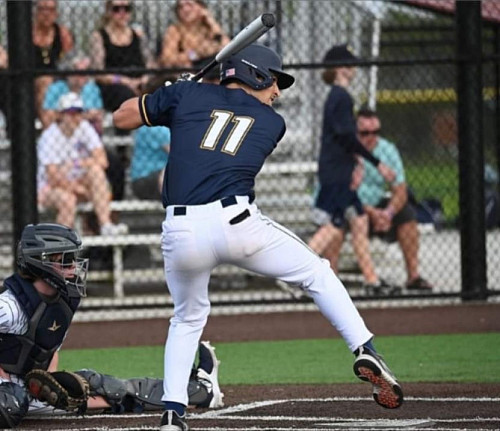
{"points": [[201, 237]]}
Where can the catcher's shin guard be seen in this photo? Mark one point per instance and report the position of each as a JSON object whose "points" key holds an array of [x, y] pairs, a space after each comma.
{"points": [[198, 393], [141, 394], [132, 395], [14, 404]]}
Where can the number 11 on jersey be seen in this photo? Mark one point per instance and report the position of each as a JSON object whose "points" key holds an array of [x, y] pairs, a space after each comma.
{"points": [[220, 121]]}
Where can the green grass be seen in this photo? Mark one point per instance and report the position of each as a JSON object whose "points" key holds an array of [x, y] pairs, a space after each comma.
{"points": [[436, 180], [438, 358]]}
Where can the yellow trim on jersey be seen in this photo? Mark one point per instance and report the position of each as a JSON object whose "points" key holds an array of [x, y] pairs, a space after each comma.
{"points": [[143, 108]]}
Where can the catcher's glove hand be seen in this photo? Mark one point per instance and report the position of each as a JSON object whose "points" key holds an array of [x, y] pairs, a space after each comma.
{"points": [[62, 389]]}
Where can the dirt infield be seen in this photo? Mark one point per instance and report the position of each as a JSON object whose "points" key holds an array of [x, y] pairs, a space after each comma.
{"points": [[309, 407]]}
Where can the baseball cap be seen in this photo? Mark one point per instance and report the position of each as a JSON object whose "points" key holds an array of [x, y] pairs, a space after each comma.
{"points": [[340, 53], [70, 102]]}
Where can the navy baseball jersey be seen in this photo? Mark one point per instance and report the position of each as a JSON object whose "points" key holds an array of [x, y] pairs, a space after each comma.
{"points": [[220, 139], [338, 141]]}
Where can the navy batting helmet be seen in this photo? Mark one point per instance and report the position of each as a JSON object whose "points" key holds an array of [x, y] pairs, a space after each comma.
{"points": [[255, 66], [50, 252]]}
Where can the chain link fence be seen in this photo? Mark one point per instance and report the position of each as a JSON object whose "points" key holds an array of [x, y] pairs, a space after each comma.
{"points": [[407, 72]]}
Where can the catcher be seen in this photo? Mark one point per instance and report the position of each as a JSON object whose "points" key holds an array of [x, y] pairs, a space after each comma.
{"points": [[37, 305]]}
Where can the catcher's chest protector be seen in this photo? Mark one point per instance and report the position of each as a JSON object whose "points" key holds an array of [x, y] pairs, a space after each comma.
{"points": [[48, 322]]}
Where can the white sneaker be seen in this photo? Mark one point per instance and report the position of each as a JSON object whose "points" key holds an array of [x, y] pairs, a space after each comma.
{"points": [[171, 421], [208, 373], [370, 367], [114, 229]]}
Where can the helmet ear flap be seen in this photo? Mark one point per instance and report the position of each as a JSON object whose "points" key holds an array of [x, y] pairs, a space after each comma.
{"points": [[260, 78]]}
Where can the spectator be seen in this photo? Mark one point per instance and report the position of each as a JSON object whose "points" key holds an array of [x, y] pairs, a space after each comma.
{"points": [[117, 45], [150, 155], [93, 112], [194, 38], [394, 216], [337, 200], [83, 86], [72, 162], [52, 41]]}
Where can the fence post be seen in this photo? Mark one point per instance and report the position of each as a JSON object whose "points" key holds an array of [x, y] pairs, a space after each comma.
{"points": [[22, 109], [496, 68], [470, 145]]}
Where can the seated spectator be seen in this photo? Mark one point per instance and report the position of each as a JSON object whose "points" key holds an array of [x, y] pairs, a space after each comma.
{"points": [[393, 217], [86, 88], [52, 41], [149, 158], [93, 112], [117, 45], [72, 162], [194, 38]]}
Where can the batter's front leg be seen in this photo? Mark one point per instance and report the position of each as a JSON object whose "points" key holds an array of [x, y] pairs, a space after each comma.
{"points": [[286, 257]]}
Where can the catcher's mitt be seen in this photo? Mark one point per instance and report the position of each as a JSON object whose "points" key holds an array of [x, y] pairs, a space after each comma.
{"points": [[62, 389]]}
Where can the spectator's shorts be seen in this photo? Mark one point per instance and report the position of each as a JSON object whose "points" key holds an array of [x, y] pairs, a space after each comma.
{"points": [[405, 215], [336, 203], [147, 187]]}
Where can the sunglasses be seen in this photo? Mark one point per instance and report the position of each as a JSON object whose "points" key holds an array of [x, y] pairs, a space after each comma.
{"points": [[121, 8], [369, 132]]}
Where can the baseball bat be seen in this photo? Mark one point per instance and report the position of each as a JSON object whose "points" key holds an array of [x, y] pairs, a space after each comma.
{"points": [[245, 37]]}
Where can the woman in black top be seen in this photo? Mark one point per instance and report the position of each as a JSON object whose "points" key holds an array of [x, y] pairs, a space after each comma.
{"points": [[116, 45]]}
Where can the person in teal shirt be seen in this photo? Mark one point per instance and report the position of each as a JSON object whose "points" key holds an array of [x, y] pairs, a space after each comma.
{"points": [[150, 155], [386, 204], [372, 189], [90, 94], [86, 88]]}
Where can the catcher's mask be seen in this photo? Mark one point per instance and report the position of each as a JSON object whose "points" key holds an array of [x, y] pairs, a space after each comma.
{"points": [[50, 252], [255, 66]]}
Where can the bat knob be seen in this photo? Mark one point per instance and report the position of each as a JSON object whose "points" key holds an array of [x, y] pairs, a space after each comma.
{"points": [[268, 20]]}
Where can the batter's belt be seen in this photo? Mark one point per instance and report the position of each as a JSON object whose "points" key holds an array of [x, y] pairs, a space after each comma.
{"points": [[225, 202]]}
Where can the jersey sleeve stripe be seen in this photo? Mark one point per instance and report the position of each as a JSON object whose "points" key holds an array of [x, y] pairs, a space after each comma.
{"points": [[142, 110]]}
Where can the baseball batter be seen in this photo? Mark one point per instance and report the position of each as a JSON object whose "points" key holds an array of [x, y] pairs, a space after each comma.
{"points": [[221, 136]]}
